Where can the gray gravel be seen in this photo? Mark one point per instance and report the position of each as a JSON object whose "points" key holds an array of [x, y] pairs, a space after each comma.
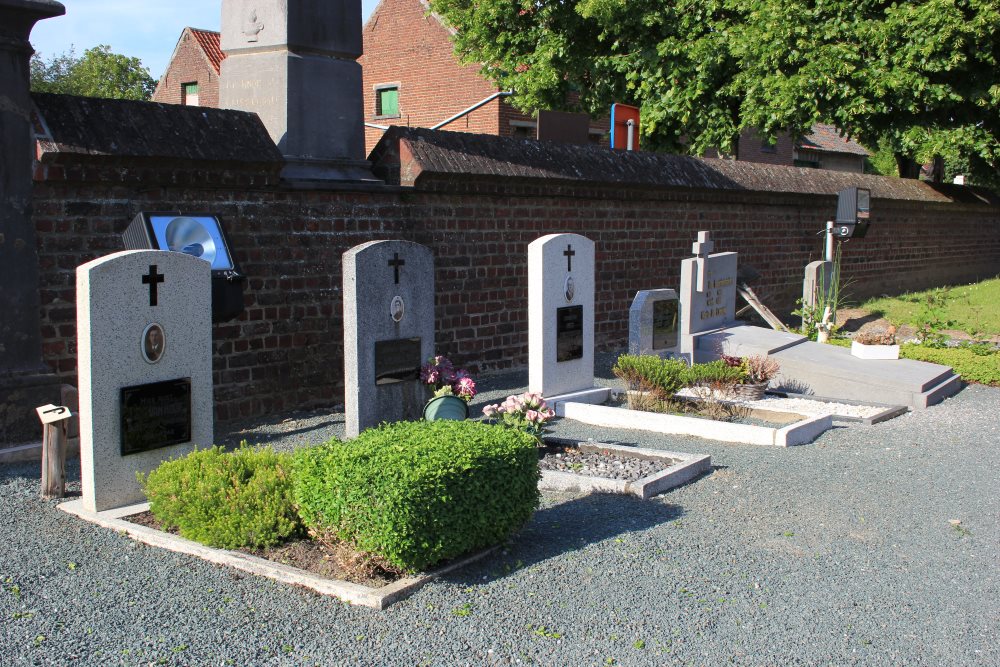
{"points": [[834, 553], [600, 464]]}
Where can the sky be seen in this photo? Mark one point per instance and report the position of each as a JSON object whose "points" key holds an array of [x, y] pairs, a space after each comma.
{"points": [[145, 29]]}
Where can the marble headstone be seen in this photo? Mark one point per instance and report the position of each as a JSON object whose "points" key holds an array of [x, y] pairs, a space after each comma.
{"points": [[561, 318], [388, 331], [707, 293], [144, 327], [654, 323]]}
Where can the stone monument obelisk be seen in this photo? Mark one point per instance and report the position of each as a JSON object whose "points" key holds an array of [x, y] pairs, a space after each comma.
{"points": [[295, 65], [25, 380]]}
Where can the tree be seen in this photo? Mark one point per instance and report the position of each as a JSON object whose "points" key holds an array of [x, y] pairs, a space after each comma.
{"points": [[920, 76], [98, 73]]}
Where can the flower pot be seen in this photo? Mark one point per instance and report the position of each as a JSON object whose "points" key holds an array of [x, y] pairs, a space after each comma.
{"points": [[750, 392], [862, 351], [446, 407]]}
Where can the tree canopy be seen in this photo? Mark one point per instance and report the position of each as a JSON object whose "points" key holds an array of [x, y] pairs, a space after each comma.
{"points": [[98, 73], [921, 77]]}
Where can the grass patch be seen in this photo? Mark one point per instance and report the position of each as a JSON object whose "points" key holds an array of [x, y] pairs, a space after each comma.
{"points": [[972, 366], [969, 308]]}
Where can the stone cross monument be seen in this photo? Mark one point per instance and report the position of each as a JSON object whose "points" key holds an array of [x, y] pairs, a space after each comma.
{"points": [[25, 381], [295, 65]]}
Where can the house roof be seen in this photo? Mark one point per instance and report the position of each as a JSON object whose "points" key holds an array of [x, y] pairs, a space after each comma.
{"points": [[209, 41], [828, 138]]}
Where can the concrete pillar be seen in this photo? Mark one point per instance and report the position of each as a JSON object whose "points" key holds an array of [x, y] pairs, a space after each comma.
{"points": [[294, 64], [25, 381]]}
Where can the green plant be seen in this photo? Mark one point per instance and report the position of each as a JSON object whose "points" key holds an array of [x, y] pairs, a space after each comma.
{"points": [[713, 372], [528, 412], [819, 312], [931, 318], [411, 494], [973, 367], [650, 374], [759, 368], [228, 500]]}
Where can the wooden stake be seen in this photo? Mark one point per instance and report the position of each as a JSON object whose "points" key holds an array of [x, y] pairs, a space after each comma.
{"points": [[54, 459]]}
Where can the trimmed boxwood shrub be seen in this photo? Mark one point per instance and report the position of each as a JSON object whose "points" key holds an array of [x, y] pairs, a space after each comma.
{"points": [[227, 500], [651, 373], [712, 372], [412, 494]]}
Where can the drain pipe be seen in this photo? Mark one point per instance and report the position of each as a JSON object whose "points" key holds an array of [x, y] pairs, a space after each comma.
{"points": [[502, 93]]}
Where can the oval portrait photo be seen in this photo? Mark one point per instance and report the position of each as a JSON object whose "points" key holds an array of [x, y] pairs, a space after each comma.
{"points": [[154, 342]]}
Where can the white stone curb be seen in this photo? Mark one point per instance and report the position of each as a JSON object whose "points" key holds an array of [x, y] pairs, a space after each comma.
{"points": [[377, 598]]}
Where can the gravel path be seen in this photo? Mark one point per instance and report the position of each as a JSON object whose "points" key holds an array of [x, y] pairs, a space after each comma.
{"points": [[834, 553]]}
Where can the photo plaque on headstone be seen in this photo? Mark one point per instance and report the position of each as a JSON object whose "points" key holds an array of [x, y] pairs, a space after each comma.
{"points": [[664, 324], [397, 360], [569, 333], [155, 415]]}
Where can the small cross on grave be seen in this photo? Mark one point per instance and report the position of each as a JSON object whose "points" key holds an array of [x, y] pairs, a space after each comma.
{"points": [[152, 279], [701, 249], [569, 252], [395, 263]]}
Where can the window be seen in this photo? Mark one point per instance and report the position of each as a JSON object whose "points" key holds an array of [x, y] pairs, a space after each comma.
{"points": [[189, 94], [387, 101]]}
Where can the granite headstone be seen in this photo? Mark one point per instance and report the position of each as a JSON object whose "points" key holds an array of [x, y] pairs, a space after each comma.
{"points": [[144, 327], [388, 331], [707, 292], [654, 323], [561, 318]]}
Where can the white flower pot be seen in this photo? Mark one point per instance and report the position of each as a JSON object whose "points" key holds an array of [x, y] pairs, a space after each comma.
{"points": [[862, 351]]}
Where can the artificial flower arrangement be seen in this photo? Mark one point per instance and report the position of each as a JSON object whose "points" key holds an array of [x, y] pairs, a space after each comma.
{"points": [[527, 412], [446, 380]]}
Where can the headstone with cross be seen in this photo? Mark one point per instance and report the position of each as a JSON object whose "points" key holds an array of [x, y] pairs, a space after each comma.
{"points": [[707, 293], [144, 327], [561, 319], [388, 331]]}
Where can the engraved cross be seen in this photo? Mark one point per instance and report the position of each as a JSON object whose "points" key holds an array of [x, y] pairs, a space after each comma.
{"points": [[152, 279], [569, 252], [395, 263]]}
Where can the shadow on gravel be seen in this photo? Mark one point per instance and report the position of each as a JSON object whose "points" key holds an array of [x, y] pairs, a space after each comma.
{"points": [[567, 527], [257, 434]]}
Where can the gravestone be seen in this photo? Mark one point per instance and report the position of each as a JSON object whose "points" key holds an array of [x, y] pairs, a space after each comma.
{"points": [[561, 319], [707, 293], [819, 278], [144, 327], [388, 332], [295, 65], [654, 323]]}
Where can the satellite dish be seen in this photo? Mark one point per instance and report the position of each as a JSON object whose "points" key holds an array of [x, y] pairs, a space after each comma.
{"points": [[189, 236]]}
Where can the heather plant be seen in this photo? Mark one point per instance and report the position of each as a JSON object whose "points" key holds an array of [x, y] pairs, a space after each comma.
{"points": [[440, 373]]}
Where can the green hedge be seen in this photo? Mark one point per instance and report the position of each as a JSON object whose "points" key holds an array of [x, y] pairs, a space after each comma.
{"points": [[415, 493], [713, 371], [227, 500], [650, 373]]}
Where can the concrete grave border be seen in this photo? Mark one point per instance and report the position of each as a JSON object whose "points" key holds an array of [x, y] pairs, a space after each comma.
{"points": [[798, 433], [687, 467], [358, 594]]}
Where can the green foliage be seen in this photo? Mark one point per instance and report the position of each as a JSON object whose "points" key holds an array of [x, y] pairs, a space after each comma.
{"points": [[98, 73], [919, 77], [411, 494], [970, 308], [649, 373], [972, 365], [228, 500], [713, 372]]}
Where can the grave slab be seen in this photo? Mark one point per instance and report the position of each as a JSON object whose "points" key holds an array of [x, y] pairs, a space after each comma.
{"points": [[388, 331], [144, 328], [561, 318]]}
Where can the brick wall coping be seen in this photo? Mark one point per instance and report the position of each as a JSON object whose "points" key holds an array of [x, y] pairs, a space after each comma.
{"points": [[422, 152], [84, 126]]}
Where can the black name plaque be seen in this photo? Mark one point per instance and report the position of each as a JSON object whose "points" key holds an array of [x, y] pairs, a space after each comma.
{"points": [[155, 415], [397, 360], [664, 324], [569, 333]]}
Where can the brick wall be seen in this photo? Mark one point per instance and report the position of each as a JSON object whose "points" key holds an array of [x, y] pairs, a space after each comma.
{"points": [[404, 45], [285, 352], [188, 65]]}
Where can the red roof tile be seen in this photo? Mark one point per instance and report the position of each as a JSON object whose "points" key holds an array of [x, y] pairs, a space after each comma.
{"points": [[828, 138], [209, 42]]}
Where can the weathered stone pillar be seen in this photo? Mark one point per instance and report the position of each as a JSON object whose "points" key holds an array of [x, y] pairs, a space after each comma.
{"points": [[295, 65], [25, 381]]}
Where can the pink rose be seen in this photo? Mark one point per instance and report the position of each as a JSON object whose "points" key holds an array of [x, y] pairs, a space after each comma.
{"points": [[490, 411]]}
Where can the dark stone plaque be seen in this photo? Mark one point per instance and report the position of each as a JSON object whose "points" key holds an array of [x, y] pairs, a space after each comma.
{"points": [[664, 324], [569, 333], [155, 415], [397, 360]]}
